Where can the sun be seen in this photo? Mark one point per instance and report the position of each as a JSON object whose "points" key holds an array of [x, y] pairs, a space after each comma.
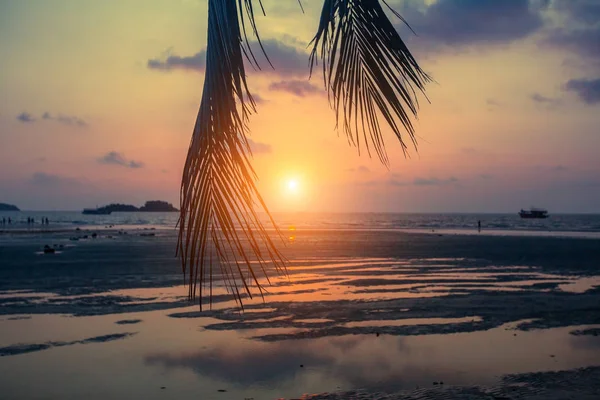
{"points": [[292, 186], [294, 190]]}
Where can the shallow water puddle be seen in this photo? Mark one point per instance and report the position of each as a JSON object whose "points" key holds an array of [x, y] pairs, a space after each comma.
{"points": [[190, 361], [581, 285], [351, 263], [25, 295], [263, 320], [313, 320]]}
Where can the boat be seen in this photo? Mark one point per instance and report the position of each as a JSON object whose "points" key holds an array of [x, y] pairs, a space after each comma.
{"points": [[96, 211], [534, 213]]}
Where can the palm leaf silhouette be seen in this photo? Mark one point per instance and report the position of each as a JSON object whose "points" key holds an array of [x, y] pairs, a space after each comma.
{"points": [[367, 70], [218, 222]]}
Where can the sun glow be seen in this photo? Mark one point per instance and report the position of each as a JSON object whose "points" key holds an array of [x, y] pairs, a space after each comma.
{"points": [[294, 190], [292, 186]]}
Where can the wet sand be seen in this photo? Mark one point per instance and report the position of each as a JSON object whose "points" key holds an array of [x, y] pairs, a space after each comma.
{"points": [[362, 315]]}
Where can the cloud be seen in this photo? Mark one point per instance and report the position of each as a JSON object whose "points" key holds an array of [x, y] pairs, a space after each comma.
{"points": [[541, 99], [396, 182], [135, 164], [196, 62], [293, 40], [46, 116], [581, 31], [582, 41], [588, 90], [65, 119], [258, 99], [296, 87], [434, 181], [25, 117], [492, 103], [584, 11], [468, 22], [259, 148], [286, 59], [115, 158], [45, 179]]}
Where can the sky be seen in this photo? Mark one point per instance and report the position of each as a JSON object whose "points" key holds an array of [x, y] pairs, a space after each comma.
{"points": [[98, 100]]}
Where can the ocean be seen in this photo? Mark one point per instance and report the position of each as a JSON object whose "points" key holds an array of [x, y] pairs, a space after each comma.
{"points": [[570, 224]]}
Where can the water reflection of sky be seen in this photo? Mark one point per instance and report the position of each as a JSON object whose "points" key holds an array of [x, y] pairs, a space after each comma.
{"points": [[191, 361], [382, 363]]}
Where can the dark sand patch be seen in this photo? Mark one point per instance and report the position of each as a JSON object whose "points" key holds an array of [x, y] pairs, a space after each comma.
{"points": [[407, 330], [32, 347], [580, 384], [585, 332], [128, 321]]}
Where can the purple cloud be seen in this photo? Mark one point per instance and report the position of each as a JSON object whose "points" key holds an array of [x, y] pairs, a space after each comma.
{"points": [[258, 147], [25, 117], [296, 87], [287, 60], [115, 158], [434, 181], [466, 22], [544, 100], [65, 119], [588, 90], [194, 62]]}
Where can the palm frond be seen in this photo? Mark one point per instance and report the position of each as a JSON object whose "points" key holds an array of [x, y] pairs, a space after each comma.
{"points": [[368, 71], [218, 223]]}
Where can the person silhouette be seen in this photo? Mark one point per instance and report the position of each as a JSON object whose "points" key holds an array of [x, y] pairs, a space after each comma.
{"points": [[479, 225]]}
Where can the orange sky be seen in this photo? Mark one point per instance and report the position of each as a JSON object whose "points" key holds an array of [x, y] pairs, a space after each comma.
{"points": [[504, 129]]}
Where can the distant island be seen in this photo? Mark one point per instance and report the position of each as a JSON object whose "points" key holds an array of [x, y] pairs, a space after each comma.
{"points": [[157, 205], [8, 207], [150, 206]]}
